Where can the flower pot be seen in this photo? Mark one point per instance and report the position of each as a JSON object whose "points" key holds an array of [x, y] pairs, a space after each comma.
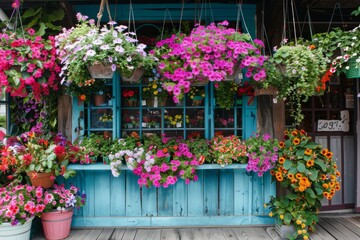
{"points": [[17, 232], [99, 99], [232, 76], [129, 125], [353, 71], [44, 180], [56, 225], [284, 230], [100, 70], [131, 102], [135, 77], [197, 101], [197, 83], [156, 102], [266, 91]]}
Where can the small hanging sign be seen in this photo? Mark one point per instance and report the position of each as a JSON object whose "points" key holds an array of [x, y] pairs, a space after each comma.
{"points": [[341, 125]]}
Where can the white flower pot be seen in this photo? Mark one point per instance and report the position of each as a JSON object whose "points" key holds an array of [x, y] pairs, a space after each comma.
{"points": [[18, 232], [284, 230]]}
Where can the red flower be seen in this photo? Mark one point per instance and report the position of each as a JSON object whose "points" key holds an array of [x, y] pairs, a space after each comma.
{"points": [[27, 158]]}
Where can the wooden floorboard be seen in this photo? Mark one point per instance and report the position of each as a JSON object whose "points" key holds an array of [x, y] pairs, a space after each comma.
{"points": [[345, 227]]}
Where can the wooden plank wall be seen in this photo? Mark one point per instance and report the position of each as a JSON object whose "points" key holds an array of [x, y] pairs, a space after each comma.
{"points": [[221, 197]]}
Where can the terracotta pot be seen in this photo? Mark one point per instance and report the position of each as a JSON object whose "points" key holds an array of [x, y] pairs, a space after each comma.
{"points": [[56, 225], [101, 71], [44, 180], [99, 99]]}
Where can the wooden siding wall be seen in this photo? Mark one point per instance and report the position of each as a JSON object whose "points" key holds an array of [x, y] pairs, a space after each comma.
{"points": [[345, 159], [221, 197]]}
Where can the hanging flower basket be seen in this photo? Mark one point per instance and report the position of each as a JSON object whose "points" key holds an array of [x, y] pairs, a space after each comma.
{"points": [[135, 77], [199, 83], [101, 70], [266, 91], [44, 180], [353, 71], [230, 77]]}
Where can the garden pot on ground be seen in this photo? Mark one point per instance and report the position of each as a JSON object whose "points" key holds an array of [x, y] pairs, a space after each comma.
{"points": [[17, 232], [56, 225], [100, 70], [44, 180]]}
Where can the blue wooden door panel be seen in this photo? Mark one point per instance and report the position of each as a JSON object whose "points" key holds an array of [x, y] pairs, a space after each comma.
{"points": [[180, 199], [241, 192], [226, 192], [133, 202], [165, 201], [257, 193], [211, 197], [148, 201], [117, 196], [196, 196], [102, 194]]}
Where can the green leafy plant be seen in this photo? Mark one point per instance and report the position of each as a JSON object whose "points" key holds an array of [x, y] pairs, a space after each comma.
{"points": [[200, 147], [225, 93], [309, 173], [296, 71]]}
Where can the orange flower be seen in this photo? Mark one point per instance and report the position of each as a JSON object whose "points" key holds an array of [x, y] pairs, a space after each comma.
{"points": [[324, 151], [286, 132], [308, 151], [337, 173], [293, 181], [302, 132], [326, 194], [332, 184], [310, 163], [296, 141], [272, 172], [302, 188], [295, 132], [312, 47], [278, 174], [82, 97], [337, 187], [329, 155], [281, 160], [291, 176], [298, 176], [281, 144], [325, 186], [279, 179], [165, 150], [335, 166], [323, 177]]}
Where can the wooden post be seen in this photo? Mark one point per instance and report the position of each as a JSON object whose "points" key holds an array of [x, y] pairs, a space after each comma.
{"points": [[65, 115]]}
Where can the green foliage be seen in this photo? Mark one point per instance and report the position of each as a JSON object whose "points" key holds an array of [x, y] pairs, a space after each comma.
{"points": [[296, 72], [3, 121], [224, 93]]}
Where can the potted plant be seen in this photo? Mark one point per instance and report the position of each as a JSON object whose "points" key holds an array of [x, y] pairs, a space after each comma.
{"points": [[209, 53], [309, 174], [261, 151], [197, 95], [28, 64], [87, 45], [95, 147], [39, 155], [226, 150], [225, 94], [296, 72], [176, 121], [200, 147], [153, 93], [130, 97], [106, 119], [19, 205], [343, 48], [59, 205]]}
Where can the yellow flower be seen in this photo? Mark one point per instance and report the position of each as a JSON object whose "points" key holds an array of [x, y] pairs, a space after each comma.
{"points": [[305, 237], [156, 92], [298, 222], [270, 214], [281, 217], [265, 205], [154, 86]]}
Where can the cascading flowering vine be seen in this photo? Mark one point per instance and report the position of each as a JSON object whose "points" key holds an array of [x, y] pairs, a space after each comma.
{"points": [[28, 61], [208, 53]]}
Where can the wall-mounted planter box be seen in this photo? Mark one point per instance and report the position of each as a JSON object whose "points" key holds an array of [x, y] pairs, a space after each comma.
{"points": [[223, 196]]}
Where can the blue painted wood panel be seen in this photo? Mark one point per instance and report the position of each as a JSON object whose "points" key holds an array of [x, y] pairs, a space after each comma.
{"points": [[221, 196]]}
